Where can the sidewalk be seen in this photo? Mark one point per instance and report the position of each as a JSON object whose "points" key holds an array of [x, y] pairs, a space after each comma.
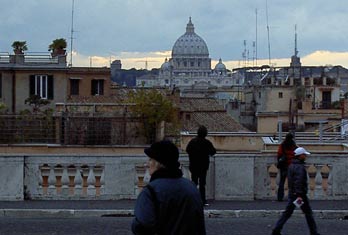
{"points": [[95, 208]]}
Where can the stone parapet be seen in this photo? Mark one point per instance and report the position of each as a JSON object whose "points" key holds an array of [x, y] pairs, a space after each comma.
{"points": [[231, 176]]}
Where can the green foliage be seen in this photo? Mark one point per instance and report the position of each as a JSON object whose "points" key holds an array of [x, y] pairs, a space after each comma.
{"points": [[59, 43], [19, 46], [153, 108], [36, 102], [300, 92], [2, 107], [336, 105]]}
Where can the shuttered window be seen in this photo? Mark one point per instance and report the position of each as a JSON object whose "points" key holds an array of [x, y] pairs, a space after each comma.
{"points": [[42, 85], [74, 87], [97, 87]]}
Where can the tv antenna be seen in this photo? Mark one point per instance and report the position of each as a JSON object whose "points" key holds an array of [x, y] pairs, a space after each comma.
{"points": [[269, 44], [255, 47], [72, 33]]}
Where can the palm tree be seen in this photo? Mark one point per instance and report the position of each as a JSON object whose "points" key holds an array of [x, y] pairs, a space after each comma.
{"points": [[19, 47]]}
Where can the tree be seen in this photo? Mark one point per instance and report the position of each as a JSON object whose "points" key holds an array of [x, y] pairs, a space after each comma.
{"points": [[36, 102], [153, 108], [57, 47], [19, 47]]}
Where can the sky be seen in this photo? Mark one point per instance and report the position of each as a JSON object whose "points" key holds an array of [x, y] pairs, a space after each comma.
{"points": [[135, 31]]}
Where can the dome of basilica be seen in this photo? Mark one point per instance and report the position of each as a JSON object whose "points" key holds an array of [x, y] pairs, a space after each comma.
{"points": [[220, 66], [166, 65], [190, 44]]}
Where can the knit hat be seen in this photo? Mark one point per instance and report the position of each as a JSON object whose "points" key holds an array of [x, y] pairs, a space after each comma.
{"points": [[165, 152]]}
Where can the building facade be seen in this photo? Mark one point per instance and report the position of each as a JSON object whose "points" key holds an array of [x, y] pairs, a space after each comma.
{"points": [[189, 66], [24, 75]]}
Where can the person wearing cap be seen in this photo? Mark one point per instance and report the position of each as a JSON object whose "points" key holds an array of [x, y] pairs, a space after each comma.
{"points": [[169, 204], [285, 155], [298, 188], [199, 150]]}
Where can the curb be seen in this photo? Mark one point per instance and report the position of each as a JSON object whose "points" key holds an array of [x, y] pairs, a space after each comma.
{"points": [[72, 213]]}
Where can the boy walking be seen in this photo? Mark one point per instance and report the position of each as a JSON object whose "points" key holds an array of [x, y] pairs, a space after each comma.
{"points": [[298, 187]]}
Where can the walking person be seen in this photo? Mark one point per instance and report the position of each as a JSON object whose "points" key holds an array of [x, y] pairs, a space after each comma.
{"points": [[199, 150], [298, 187], [169, 204], [284, 156]]}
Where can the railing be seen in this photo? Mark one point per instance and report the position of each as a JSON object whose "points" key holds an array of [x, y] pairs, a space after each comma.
{"points": [[320, 180], [76, 129], [4, 57], [34, 58], [122, 176]]}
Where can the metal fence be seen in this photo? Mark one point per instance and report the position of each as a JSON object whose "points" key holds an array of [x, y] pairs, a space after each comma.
{"points": [[71, 130]]}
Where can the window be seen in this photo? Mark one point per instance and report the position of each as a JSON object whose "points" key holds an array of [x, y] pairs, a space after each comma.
{"points": [[74, 86], [280, 95], [97, 87], [41, 85], [192, 64]]}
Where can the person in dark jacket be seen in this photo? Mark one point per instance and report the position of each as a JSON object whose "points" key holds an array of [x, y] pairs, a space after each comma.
{"points": [[169, 204], [298, 187], [285, 150], [199, 150]]}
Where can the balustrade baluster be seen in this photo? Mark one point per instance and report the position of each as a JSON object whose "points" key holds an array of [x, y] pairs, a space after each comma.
{"points": [[85, 173], [98, 170], [58, 172], [45, 173], [71, 174]]}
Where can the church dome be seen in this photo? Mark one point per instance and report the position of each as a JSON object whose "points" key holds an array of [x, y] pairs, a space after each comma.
{"points": [[166, 65], [190, 44], [220, 66]]}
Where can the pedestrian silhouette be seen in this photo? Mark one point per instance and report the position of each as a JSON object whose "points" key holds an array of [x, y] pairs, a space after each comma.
{"points": [[284, 156], [298, 188], [199, 150]]}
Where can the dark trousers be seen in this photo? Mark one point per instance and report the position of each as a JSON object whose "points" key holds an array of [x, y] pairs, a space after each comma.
{"points": [[283, 175], [306, 209], [199, 178]]}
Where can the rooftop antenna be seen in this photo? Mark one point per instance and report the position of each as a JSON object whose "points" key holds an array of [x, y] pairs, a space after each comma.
{"points": [[269, 44], [244, 54], [296, 51], [256, 39], [71, 33]]}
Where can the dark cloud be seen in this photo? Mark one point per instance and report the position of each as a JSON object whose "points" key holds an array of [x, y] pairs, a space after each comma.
{"points": [[103, 27]]}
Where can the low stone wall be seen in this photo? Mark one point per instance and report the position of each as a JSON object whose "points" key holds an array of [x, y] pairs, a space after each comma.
{"points": [[237, 176]]}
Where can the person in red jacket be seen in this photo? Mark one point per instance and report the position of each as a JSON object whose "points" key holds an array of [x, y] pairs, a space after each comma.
{"points": [[285, 155]]}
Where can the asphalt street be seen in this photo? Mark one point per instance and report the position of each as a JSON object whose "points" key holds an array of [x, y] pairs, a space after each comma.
{"points": [[121, 226]]}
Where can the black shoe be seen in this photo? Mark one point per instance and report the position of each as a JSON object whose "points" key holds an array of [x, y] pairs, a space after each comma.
{"points": [[275, 232]]}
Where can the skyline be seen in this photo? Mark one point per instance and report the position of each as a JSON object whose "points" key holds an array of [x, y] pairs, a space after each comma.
{"points": [[136, 31]]}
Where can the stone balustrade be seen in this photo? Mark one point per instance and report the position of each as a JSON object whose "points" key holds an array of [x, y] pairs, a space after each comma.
{"points": [[231, 176], [72, 181], [319, 180]]}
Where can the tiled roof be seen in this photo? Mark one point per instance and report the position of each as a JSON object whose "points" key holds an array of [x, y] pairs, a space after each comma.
{"points": [[207, 112], [200, 105], [214, 121]]}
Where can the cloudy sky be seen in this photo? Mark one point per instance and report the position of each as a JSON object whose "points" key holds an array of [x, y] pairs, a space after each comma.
{"points": [[136, 31]]}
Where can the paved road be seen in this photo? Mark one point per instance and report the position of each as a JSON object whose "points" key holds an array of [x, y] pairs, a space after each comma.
{"points": [[121, 226]]}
